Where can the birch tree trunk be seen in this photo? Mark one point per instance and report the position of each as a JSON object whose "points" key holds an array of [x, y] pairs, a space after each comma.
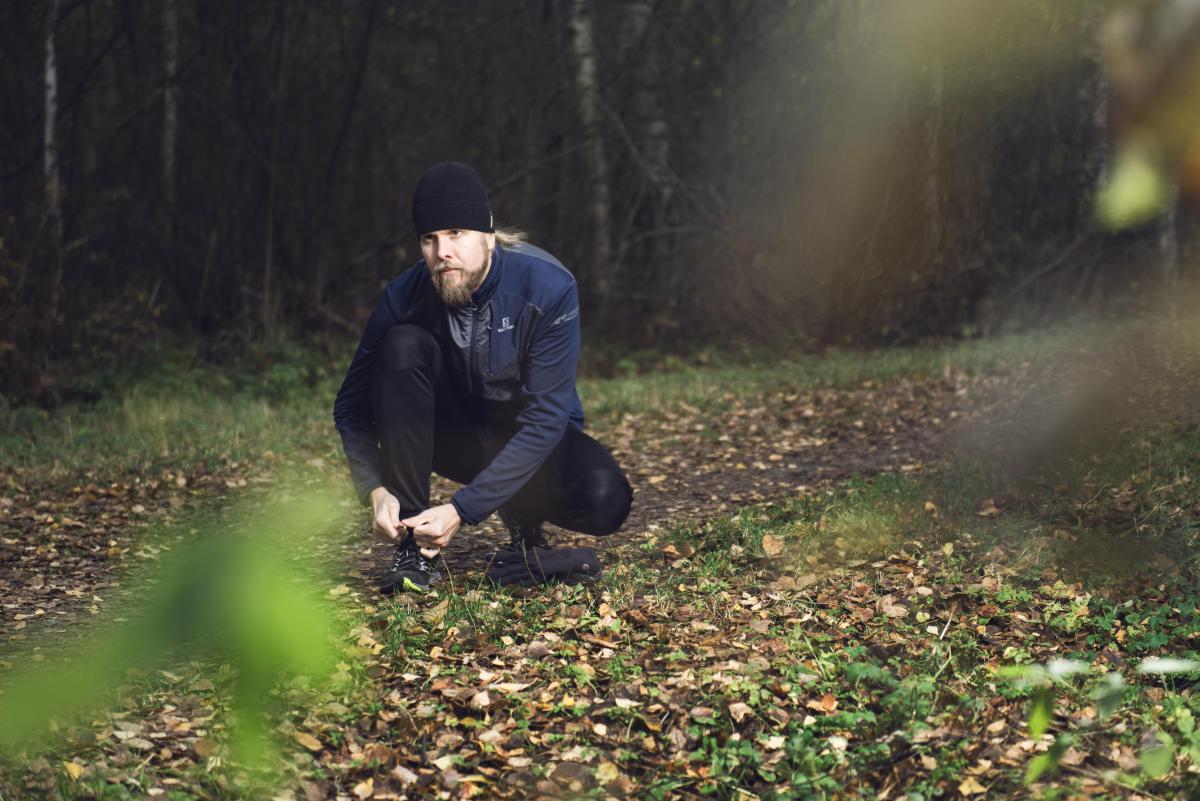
{"points": [[588, 93], [54, 188]]}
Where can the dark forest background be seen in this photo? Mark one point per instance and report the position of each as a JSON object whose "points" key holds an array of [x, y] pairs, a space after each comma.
{"points": [[232, 174]]}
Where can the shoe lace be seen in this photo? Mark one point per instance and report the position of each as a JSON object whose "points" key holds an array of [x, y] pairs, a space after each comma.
{"points": [[408, 557]]}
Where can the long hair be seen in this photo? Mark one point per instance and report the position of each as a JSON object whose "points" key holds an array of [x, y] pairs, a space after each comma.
{"points": [[507, 237]]}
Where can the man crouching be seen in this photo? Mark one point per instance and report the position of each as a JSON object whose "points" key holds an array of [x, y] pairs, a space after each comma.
{"points": [[467, 368]]}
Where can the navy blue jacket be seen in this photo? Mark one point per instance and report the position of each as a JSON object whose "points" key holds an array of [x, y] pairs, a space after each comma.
{"points": [[514, 349]]}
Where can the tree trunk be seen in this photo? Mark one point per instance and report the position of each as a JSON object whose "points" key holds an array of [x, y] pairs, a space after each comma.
{"points": [[588, 95], [54, 188], [652, 134], [933, 156], [170, 119], [269, 317]]}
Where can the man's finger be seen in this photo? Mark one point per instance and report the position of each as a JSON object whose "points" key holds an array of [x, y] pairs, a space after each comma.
{"points": [[387, 529]]}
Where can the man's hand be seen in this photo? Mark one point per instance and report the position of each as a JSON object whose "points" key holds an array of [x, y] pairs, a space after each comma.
{"points": [[387, 516], [434, 528]]}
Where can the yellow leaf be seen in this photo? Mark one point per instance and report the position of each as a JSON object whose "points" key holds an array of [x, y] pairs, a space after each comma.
{"points": [[308, 741], [772, 546], [364, 790], [969, 786], [606, 772], [74, 770], [656, 479], [438, 612]]}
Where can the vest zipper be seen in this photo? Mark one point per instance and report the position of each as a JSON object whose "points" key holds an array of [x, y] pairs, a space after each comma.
{"points": [[471, 360]]}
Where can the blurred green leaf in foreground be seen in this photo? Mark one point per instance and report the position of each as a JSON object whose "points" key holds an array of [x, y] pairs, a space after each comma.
{"points": [[1153, 66], [243, 590]]}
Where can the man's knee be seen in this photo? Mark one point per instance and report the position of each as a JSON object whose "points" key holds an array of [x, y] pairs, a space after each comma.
{"points": [[407, 346], [609, 498]]}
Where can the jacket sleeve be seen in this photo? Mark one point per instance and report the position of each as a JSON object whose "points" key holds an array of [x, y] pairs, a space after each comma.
{"points": [[549, 392], [353, 414]]}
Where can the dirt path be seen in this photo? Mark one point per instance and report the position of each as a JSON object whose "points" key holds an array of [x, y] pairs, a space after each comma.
{"points": [[687, 466], [62, 551]]}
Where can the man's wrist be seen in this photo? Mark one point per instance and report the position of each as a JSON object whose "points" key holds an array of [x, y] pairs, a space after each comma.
{"points": [[462, 517], [377, 494]]}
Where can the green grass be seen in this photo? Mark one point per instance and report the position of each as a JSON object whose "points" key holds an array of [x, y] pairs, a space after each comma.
{"points": [[705, 386], [859, 645], [192, 417]]}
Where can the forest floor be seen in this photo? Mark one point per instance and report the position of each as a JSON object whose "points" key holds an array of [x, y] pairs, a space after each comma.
{"points": [[901, 575]]}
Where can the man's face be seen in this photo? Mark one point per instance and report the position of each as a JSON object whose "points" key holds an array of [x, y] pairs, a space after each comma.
{"points": [[458, 261]]}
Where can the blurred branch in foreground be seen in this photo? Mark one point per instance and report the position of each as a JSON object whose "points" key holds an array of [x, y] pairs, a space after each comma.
{"points": [[241, 592]]}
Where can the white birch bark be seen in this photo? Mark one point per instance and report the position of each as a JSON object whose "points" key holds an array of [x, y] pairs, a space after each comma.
{"points": [[54, 187]]}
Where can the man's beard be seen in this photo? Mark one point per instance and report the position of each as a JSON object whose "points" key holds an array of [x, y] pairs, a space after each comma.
{"points": [[456, 292]]}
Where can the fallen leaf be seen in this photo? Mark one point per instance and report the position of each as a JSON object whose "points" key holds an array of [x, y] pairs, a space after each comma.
{"points": [[606, 772], [403, 775], [364, 790], [1073, 757], [435, 614], [827, 704], [738, 711], [74, 770], [308, 741], [772, 546], [969, 786], [204, 748]]}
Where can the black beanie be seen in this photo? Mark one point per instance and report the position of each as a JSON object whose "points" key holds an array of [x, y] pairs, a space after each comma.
{"points": [[451, 195]]}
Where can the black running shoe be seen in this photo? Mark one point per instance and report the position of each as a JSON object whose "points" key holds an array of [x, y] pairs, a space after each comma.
{"points": [[525, 537], [534, 566], [409, 571]]}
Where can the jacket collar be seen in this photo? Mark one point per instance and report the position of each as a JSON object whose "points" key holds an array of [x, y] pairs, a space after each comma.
{"points": [[488, 288]]}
